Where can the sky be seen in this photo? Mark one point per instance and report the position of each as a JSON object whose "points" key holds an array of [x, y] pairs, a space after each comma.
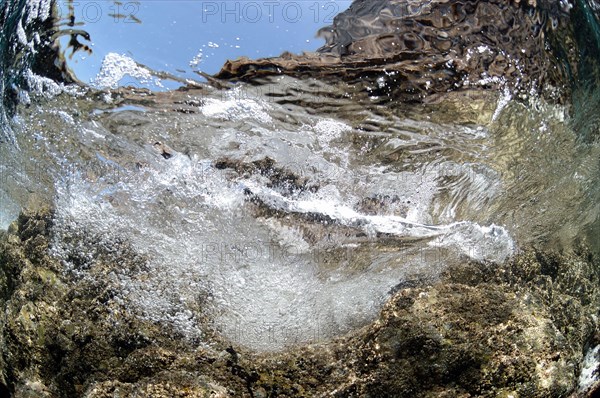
{"points": [[180, 36]]}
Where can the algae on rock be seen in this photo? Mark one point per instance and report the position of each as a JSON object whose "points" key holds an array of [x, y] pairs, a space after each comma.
{"points": [[518, 329]]}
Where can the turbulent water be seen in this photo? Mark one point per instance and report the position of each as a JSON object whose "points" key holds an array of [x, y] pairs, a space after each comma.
{"points": [[289, 211]]}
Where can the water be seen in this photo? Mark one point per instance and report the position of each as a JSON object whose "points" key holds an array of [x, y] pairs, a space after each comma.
{"points": [[288, 211]]}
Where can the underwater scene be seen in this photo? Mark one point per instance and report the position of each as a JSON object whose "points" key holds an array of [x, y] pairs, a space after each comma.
{"points": [[368, 198]]}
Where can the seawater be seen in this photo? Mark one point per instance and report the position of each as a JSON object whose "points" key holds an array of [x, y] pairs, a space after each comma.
{"points": [[357, 198]]}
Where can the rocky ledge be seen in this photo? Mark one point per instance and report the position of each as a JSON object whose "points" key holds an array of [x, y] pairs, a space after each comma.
{"points": [[527, 328], [410, 50]]}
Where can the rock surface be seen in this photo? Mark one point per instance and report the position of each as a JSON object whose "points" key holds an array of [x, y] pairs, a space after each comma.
{"points": [[409, 50], [518, 330]]}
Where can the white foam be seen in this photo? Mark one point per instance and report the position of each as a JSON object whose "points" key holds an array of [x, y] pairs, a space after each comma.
{"points": [[267, 287], [38, 9], [197, 59], [482, 48], [590, 369], [502, 102], [21, 34], [328, 130], [48, 87], [490, 243], [234, 107], [115, 67]]}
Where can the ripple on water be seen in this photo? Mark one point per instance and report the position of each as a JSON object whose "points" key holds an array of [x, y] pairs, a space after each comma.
{"points": [[313, 217]]}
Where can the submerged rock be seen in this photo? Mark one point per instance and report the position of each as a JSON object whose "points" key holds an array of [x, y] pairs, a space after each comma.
{"points": [[521, 329]]}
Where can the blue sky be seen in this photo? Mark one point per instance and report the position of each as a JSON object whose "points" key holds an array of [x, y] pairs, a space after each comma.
{"points": [[168, 35]]}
